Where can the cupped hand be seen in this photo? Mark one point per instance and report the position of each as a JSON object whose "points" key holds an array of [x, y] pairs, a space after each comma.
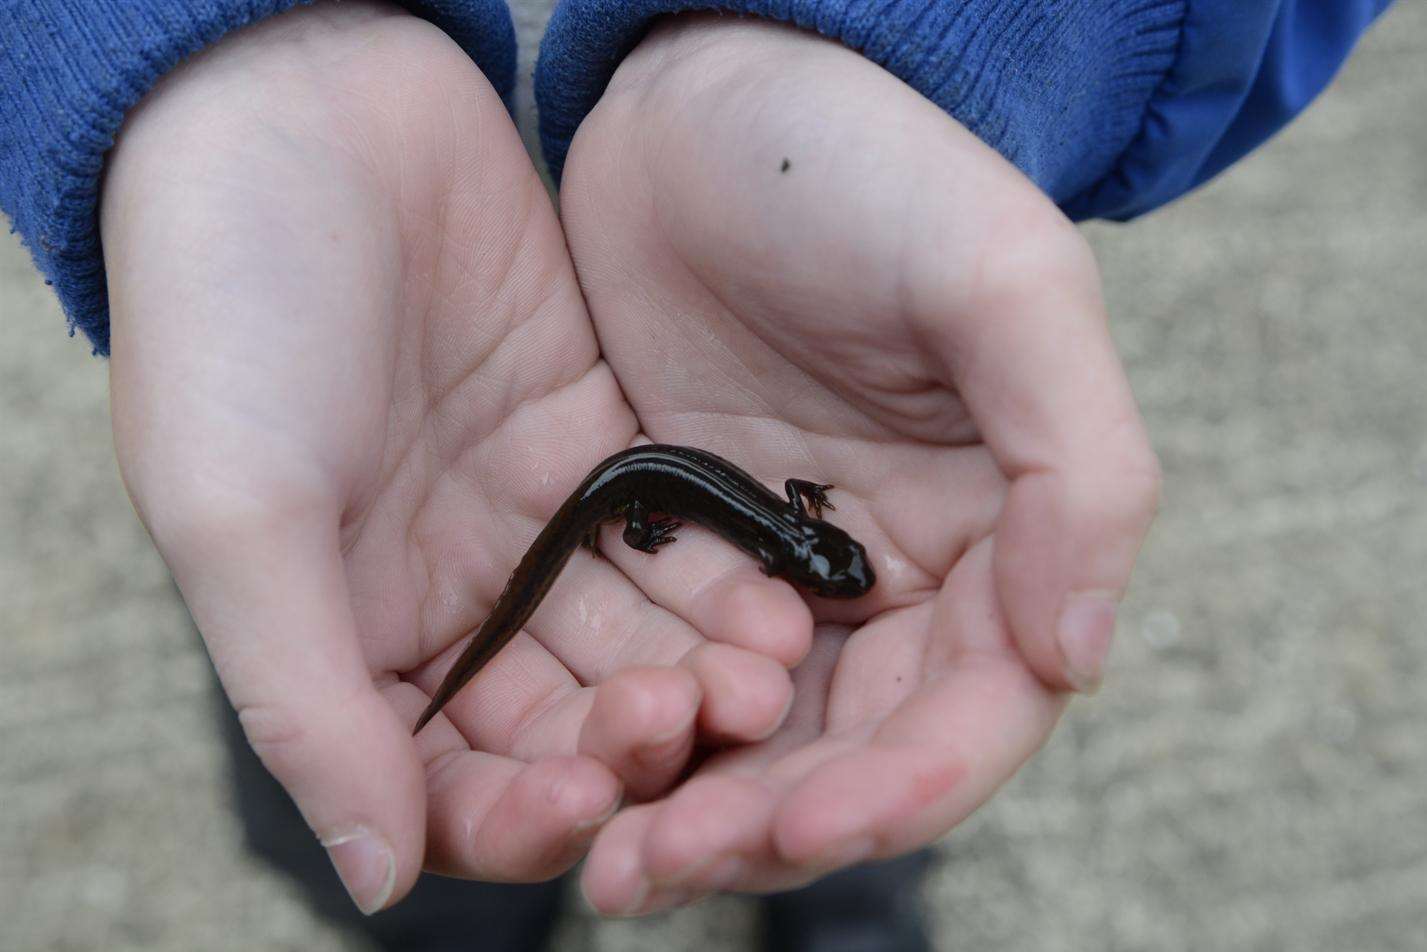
{"points": [[352, 376], [794, 260]]}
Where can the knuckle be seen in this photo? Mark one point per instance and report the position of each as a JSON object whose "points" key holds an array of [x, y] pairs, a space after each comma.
{"points": [[199, 516], [1122, 502], [1127, 491], [1141, 480], [275, 733], [1147, 485], [1035, 251]]}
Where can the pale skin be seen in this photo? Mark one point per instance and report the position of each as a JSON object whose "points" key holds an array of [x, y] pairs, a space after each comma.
{"points": [[355, 367]]}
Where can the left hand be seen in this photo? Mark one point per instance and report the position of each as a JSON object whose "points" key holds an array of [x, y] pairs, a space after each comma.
{"points": [[352, 376], [793, 259]]}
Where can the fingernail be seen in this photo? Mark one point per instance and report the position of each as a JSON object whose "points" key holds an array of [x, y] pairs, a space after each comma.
{"points": [[673, 744], [595, 822], [726, 873], [637, 900], [777, 725], [1087, 626], [849, 853], [716, 872], [366, 866], [678, 899]]}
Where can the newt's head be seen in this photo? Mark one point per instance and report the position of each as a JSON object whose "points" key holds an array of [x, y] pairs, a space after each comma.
{"points": [[830, 562]]}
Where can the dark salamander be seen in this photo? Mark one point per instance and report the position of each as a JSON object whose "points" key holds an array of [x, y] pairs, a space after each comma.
{"points": [[787, 536]]}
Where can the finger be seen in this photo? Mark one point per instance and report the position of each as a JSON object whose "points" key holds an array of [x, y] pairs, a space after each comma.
{"points": [[867, 803], [500, 820], [705, 835], [497, 818], [940, 754], [746, 696], [518, 688], [715, 833], [598, 622], [526, 705], [719, 592], [641, 725], [1041, 378], [593, 622], [641, 722], [270, 597], [613, 880]]}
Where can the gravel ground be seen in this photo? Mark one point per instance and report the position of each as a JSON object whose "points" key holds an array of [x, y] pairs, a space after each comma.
{"points": [[1252, 777]]}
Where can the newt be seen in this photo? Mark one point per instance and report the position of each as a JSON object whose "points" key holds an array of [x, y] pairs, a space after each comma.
{"points": [[788, 537]]}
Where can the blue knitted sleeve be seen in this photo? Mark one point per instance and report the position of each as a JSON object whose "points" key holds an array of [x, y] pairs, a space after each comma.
{"points": [[71, 69], [1112, 107]]}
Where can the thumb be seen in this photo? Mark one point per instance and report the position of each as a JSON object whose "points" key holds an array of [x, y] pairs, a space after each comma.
{"points": [[1040, 376], [1065, 547], [270, 598]]}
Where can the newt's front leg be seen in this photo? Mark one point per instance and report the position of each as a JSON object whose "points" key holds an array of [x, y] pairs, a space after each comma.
{"points": [[644, 534], [815, 493]]}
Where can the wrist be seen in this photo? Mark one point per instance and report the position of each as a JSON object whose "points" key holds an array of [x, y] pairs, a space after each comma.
{"points": [[709, 45], [78, 68], [1058, 89], [252, 75]]}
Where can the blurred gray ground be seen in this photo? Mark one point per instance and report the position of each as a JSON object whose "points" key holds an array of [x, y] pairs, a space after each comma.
{"points": [[1253, 776]]}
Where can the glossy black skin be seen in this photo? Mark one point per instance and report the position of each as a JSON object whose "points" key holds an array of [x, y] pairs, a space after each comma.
{"points": [[787, 536]]}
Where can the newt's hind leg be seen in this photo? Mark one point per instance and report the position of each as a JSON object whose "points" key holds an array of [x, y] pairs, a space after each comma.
{"points": [[591, 540], [814, 493], [644, 534]]}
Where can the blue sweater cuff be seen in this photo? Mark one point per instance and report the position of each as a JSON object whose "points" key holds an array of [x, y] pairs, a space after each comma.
{"points": [[1059, 88], [72, 69]]}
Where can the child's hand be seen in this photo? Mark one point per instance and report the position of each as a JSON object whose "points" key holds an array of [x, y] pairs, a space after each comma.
{"points": [[352, 375], [794, 260]]}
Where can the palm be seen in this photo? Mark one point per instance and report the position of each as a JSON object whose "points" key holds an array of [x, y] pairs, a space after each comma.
{"points": [[347, 418], [823, 298]]}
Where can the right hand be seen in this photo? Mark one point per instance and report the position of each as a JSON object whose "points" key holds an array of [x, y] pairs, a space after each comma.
{"points": [[793, 258], [352, 374]]}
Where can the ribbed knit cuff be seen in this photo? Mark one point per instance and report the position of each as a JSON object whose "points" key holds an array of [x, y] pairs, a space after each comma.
{"points": [[1058, 87], [70, 70]]}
